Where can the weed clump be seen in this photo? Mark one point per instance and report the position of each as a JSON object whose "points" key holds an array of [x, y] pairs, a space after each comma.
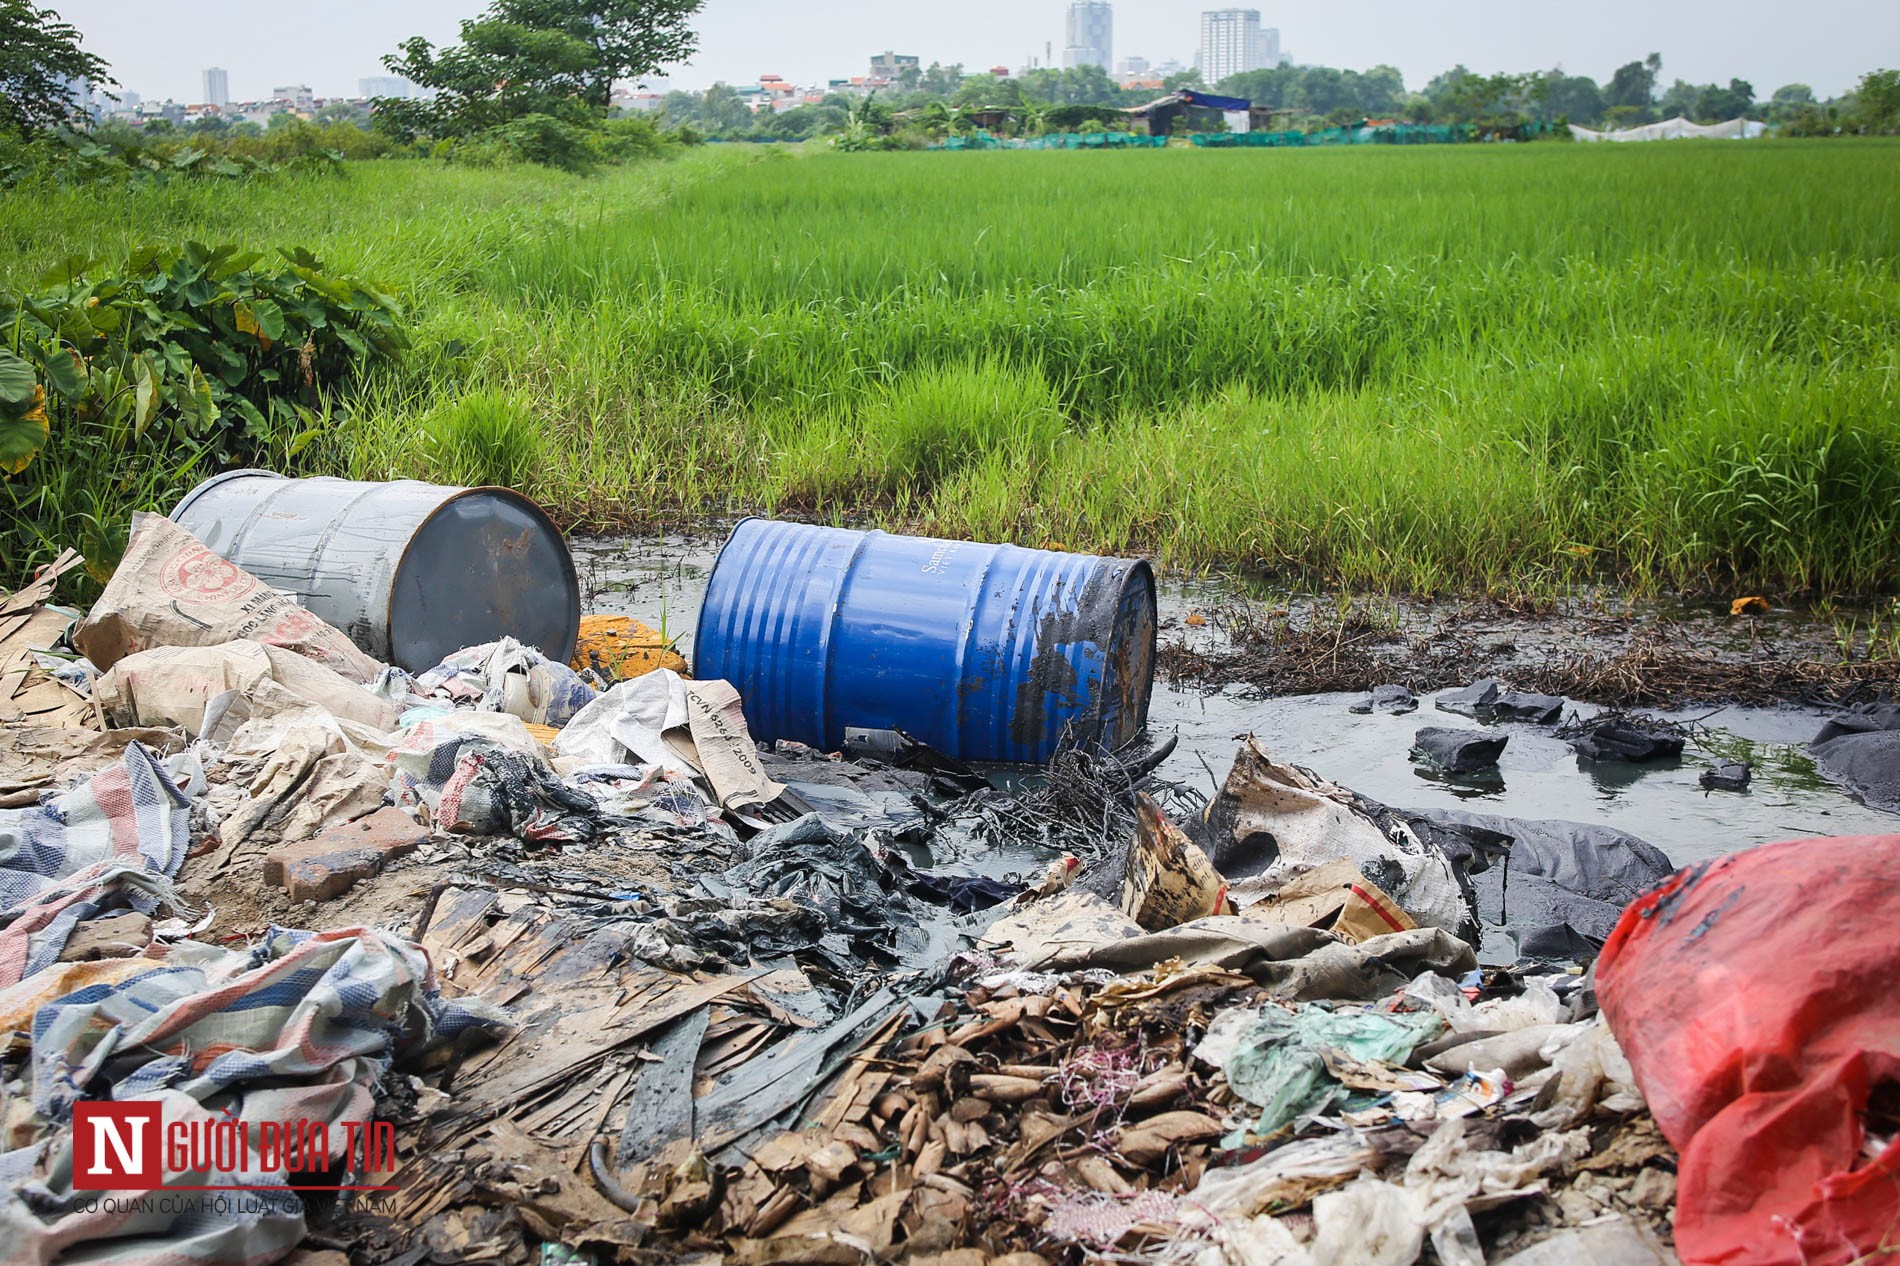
{"points": [[485, 438]]}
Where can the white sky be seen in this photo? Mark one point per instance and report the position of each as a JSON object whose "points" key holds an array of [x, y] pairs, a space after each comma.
{"points": [[159, 47]]}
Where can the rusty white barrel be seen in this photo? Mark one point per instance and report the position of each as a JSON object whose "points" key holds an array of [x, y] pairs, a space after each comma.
{"points": [[411, 571], [985, 652]]}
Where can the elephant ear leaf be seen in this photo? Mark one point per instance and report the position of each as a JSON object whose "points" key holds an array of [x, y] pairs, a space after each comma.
{"points": [[17, 382], [23, 432]]}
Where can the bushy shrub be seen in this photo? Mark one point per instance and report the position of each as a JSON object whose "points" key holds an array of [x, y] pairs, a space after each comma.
{"points": [[553, 142], [118, 387]]}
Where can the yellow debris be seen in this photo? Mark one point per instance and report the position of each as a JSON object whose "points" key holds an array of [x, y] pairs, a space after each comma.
{"points": [[619, 647]]}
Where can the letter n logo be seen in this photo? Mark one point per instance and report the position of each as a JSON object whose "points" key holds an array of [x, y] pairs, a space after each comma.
{"points": [[117, 1147]]}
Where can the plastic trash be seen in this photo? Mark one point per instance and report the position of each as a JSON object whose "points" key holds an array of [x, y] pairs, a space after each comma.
{"points": [[1334, 896], [1459, 751], [1734, 775], [1273, 1057], [1624, 736], [506, 676], [1861, 748], [172, 685], [1392, 699], [1753, 998]]}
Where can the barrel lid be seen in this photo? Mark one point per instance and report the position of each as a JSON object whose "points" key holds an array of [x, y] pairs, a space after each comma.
{"points": [[478, 548], [178, 511]]}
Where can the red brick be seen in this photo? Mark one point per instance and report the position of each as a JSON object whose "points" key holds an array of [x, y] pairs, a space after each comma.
{"points": [[327, 866]]}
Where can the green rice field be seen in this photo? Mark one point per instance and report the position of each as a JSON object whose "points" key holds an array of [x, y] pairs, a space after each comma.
{"points": [[1431, 369]]}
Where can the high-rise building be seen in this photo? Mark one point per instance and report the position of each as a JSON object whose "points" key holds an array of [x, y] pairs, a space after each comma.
{"points": [[1268, 54], [1090, 34], [296, 96], [385, 86], [1132, 66], [217, 87], [1232, 43]]}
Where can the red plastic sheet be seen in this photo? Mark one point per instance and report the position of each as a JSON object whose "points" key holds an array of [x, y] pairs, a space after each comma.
{"points": [[1755, 998]]}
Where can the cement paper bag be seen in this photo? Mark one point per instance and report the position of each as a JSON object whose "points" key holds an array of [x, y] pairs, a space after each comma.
{"points": [[171, 685], [722, 747], [1170, 881], [170, 590], [1334, 896]]}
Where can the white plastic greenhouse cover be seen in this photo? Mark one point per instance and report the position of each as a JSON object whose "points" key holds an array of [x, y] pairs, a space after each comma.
{"points": [[1677, 129]]}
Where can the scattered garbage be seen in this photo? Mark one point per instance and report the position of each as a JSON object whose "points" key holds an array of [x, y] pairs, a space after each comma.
{"points": [[556, 963], [984, 652], [1489, 699], [1778, 1091], [1624, 736], [1458, 751], [413, 572], [1469, 700], [1753, 604], [1396, 700], [1730, 775], [1272, 822], [1564, 885], [1520, 705], [1861, 749]]}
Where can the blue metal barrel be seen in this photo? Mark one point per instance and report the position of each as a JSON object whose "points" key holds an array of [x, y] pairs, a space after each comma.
{"points": [[413, 572], [985, 652]]}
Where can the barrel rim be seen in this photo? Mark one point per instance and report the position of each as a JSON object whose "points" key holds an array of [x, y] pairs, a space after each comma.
{"points": [[532, 506], [1145, 570], [178, 511]]}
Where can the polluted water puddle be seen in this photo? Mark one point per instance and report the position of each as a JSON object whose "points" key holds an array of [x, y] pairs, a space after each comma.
{"points": [[1539, 776]]}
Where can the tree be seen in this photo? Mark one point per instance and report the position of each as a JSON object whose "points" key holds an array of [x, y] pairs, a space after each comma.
{"points": [[40, 62], [1573, 97], [1322, 90], [629, 38], [1789, 102], [1877, 101], [1633, 86], [1489, 99], [1682, 100], [1381, 90], [1189, 78], [722, 109], [558, 58], [1440, 86], [941, 80], [1720, 104]]}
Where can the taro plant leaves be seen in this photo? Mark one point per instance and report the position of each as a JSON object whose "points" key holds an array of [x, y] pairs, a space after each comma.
{"points": [[116, 383], [23, 424]]}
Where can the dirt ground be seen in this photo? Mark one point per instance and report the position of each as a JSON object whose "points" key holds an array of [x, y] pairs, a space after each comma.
{"points": [[1618, 654]]}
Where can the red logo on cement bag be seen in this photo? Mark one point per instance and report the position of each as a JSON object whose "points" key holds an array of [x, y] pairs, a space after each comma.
{"points": [[117, 1146], [198, 574]]}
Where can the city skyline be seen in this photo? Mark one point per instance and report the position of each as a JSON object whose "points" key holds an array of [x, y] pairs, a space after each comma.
{"points": [[163, 52]]}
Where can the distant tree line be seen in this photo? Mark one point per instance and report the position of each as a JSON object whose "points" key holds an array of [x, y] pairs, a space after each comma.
{"points": [[932, 101]]}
